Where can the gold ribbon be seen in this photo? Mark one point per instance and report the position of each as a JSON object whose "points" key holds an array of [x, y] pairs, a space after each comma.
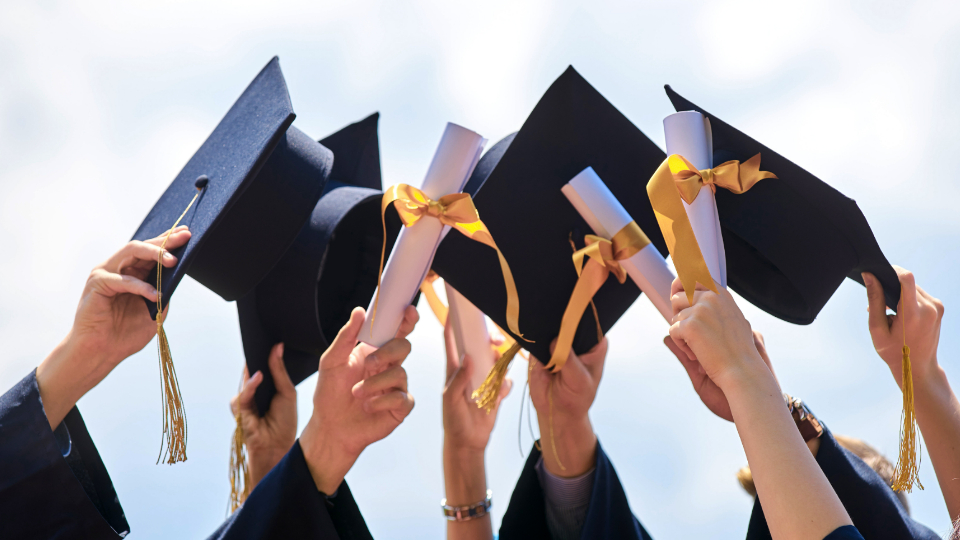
{"points": [[434, 301], [677, 181], [455, 210], [602, 258]]}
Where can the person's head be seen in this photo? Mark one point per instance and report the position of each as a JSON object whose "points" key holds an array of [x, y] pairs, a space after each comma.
{"points": [[877, 461]]}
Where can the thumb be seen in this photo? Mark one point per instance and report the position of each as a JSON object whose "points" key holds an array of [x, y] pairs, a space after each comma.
{"points": [[245, 399], [339, 351], [877, 306], [281, 379]]}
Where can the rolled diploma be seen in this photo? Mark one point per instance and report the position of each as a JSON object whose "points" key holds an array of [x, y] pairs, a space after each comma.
{"points": [[688, 134], [606, 216], [470, 334], [412, 254]]}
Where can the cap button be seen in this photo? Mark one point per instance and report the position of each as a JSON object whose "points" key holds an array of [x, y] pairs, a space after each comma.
{"points": [[201, 181]]}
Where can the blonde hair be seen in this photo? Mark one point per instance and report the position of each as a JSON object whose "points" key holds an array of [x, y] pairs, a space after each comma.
{"points": [[874, 459]]}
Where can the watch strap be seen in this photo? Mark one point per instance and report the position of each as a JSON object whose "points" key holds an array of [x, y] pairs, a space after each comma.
{"points": [[468, 512]]}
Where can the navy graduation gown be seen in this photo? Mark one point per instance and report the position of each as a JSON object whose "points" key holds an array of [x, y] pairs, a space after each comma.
{"points": [[609, 515], [52, 482], [873, 507], [287, 504], [847, 532]]}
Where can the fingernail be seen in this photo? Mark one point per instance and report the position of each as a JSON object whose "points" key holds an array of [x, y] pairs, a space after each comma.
{"points": [[280, 350]]}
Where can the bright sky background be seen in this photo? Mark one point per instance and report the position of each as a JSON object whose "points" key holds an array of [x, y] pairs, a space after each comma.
{"points": [[102, 103]]}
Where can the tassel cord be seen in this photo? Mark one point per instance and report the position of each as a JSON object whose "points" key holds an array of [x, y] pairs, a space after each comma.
{"points": [[907, 471], [173, 445]]}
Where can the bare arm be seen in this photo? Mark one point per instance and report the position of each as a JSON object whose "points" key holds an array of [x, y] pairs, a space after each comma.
{"points": [[798, 501], [938, 411]]}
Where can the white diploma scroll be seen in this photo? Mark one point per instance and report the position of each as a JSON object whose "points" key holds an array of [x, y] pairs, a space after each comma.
{"points": [[412, 254], [469, 326], [606, 216], [688, 134]]}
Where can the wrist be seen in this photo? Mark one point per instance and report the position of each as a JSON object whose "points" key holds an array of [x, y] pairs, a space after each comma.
{"points": [[327, 460], [929, 377], [747, 379], [65, 376], [464, 475], [575, 442]]}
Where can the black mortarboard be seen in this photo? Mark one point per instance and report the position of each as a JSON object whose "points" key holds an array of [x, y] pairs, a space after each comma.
{"points": [[263, 178], [790, 241], [518, 197], [330, 269]]}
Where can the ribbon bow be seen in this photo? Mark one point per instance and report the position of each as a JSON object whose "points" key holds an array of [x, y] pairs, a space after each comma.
{"points": [[457, 211], [733, 176], [602, 258], [678, 180]]}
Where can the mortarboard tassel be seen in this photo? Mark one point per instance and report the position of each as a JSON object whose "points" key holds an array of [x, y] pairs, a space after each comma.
{"points": [[174, 442], [907, 471], [486, 395], [239, 469]]}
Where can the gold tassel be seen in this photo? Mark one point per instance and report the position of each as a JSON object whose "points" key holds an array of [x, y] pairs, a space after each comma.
{"points": [[486, 395], [173, 445], [907, 471], [239, 470]]}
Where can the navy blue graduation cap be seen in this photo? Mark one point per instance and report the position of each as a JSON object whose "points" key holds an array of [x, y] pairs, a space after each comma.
{"points": [[256, 179], [330, 269], [517, 193], [790, 242], [245, 195]]}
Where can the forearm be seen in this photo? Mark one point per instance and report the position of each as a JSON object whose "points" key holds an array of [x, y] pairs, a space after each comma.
{"points": [[465, 482], [573, 440], [938, 415], [797, 498], [64, 376]]}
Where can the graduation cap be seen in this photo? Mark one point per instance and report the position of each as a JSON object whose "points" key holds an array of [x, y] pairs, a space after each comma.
{"points": [[790, 241], [518, 195], [330, 269], [245, 195]]}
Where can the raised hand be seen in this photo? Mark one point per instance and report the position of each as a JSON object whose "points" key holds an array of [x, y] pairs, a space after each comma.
{"points": [[937, 406], [465, 426], [268, 438], [361, 397], [466, 432], [710, 394], [798, 501], [112, 323], [922, 314], [563, 401]]}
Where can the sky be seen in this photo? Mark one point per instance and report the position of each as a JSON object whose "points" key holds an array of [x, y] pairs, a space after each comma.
{"points": [[102, 103]]}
